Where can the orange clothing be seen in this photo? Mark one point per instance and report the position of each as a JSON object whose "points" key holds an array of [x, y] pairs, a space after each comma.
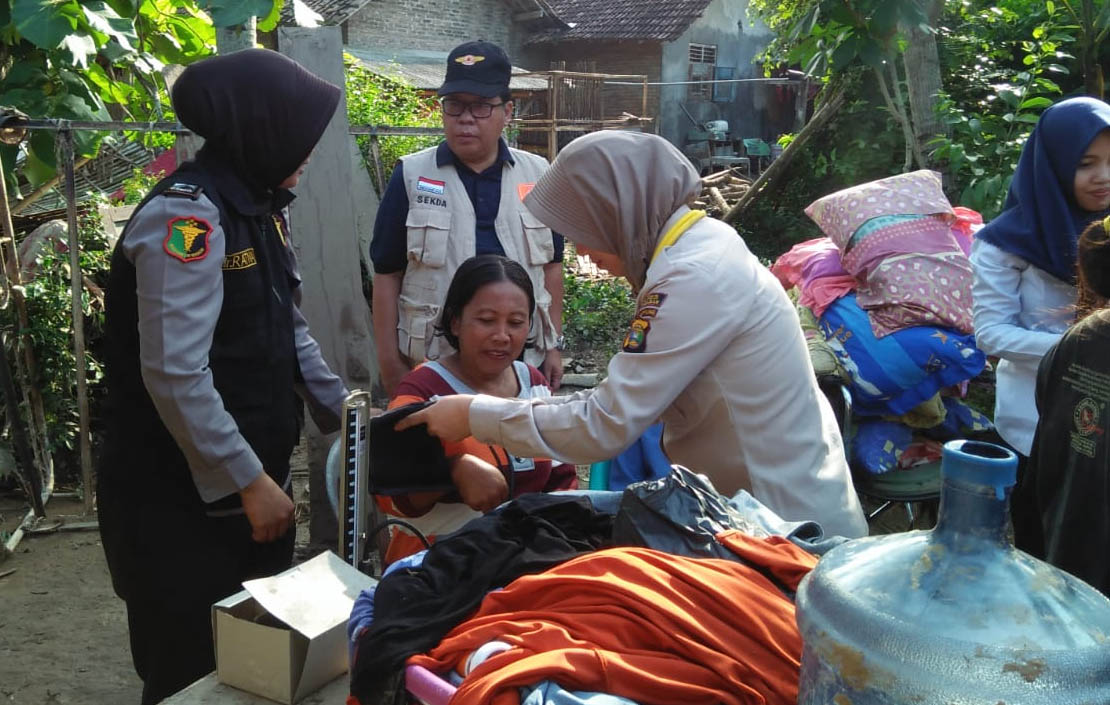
{"points": [[643, 624]]}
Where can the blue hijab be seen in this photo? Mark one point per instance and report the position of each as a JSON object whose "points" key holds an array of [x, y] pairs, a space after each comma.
{"points": [[1040, 221]]}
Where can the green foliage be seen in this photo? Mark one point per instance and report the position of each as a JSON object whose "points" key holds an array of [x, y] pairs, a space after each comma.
{"points": [[596, 315], [374, 99], [101, 60], [137, 186], [49, 310], [829, 36], [1010, 83]]}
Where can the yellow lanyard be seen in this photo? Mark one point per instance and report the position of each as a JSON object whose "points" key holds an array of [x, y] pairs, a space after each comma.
{"points": [[676, 231]]}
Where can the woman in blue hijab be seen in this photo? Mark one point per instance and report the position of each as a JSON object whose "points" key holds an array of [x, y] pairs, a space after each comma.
{"points": [[1024, 260]]}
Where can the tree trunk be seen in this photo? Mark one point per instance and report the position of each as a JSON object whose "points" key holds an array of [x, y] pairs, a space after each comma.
{"points": [[923, 79]]}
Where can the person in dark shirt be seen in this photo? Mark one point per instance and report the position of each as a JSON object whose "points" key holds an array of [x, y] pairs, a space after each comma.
{"points": [[206, 355], [1067, 485]]}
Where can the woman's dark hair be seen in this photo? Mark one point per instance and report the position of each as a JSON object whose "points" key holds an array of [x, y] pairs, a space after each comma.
{"points": [[471, 276], [1094, 267]]}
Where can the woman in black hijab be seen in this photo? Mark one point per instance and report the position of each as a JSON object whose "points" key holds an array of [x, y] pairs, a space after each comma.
{"points": [[207, 352]]}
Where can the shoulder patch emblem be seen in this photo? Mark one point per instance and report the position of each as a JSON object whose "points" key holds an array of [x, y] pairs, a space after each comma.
{"points": [[635, 340], [187, 239], [183, 190]]}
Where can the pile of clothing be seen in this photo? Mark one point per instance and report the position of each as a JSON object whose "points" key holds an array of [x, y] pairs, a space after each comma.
{"points": [[885, 301], [666, 593]]}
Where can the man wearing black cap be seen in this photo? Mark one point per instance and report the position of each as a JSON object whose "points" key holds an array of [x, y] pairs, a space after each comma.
{"points": [[448, 203]]}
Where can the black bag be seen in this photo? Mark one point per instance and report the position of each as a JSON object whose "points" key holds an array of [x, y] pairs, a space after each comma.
{"points": [[681, 513], [402, 462]]}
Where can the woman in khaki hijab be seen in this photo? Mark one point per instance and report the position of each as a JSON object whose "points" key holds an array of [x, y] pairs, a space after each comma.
{"points": [[715, 350]]}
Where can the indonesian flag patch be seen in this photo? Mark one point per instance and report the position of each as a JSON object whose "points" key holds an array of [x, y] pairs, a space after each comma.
{"points": [[187, 239], [431, 186]]}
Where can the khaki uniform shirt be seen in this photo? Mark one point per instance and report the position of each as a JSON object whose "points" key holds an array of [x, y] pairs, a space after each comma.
{"points": [[716, 352]]}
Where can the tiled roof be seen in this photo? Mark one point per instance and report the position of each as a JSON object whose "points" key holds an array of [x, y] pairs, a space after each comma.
{"points": [[653, 20], [426, 70], [334, 12]]}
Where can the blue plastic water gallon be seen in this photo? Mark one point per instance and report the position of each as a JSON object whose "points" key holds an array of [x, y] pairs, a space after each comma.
{"points": [[952, 616]]}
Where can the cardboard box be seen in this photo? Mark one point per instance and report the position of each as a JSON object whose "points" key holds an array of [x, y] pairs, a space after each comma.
{"points": [[286, 636]]}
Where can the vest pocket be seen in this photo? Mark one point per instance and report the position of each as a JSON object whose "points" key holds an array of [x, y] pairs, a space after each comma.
{"points": [[416, 326], [537, 239], [427, 235]]}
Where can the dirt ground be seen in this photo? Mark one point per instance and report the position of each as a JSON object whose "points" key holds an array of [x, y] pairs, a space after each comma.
{"points": [[63, 632]]}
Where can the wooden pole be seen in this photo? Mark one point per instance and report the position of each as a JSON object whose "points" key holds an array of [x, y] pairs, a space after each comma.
{"points": [[376, 157], [553, 133], [324, 230], [779, 166], [23, 451], [76, 286]]}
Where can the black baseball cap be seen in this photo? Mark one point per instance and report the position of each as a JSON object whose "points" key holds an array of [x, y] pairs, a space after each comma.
{"points": [[481, 68]]}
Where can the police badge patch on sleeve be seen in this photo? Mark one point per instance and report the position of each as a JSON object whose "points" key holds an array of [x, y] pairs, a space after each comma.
{"points": [[635, 341], [187, 239]]}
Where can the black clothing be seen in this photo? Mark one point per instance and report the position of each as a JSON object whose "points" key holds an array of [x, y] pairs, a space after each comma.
{"points": [[415, 609], [1067, 482], [263, 111], [253, 358], [219, 307]]}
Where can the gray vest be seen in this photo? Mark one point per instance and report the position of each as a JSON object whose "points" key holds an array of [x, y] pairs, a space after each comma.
{"points": [[441, 225]]}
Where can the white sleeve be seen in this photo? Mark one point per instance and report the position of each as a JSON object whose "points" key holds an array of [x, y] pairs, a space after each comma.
{"points": [[680, 340], [996, 294]]}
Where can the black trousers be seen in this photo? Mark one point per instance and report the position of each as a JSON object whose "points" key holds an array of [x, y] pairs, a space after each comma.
{"points": [[169, 562]]}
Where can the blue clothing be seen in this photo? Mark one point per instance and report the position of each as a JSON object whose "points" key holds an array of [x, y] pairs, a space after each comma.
{"points": [[362, 611], [643, 460], [389, 246], [551, 693], [1040, 221]]}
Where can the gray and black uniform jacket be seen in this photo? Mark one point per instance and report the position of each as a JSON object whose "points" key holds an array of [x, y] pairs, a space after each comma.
{"points": [[207, 349]]}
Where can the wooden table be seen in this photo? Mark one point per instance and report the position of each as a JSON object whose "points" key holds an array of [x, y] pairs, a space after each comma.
{"points": [[208, 691]]}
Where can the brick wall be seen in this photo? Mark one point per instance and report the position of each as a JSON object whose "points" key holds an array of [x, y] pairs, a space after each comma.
{"points": [[433, 25]]}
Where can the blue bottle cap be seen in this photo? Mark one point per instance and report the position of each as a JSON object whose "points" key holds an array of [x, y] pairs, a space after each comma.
{"points": [[979, 463]]}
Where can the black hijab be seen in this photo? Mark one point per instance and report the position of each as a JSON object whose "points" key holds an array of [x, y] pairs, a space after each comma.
{"points": [[260, 111]]}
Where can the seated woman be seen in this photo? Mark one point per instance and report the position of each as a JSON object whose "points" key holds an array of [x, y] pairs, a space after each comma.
{"points": [[486, 318]]}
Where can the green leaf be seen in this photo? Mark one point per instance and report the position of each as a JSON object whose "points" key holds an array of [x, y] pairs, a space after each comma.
{"points": [[1038, 102], [269, 23], [45, 23], [104, 19], [843, 55], [1050, 6], [884, 22], [1009, 96], [1057, 68], [1028, 117], [871, 54], [24, 74], [975, 125], [232, 13], [5, 13]]}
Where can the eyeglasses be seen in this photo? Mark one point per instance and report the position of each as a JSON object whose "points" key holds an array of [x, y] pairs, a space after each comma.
{"points": [[455, 108]]}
